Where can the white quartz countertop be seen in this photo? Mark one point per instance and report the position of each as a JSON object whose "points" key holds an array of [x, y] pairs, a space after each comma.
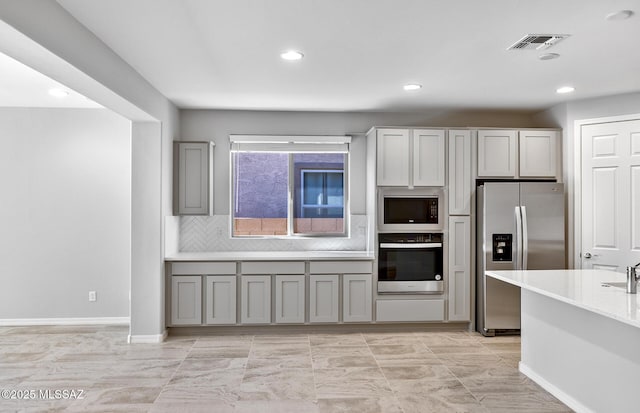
{"points": [[586, 289], [270, 256]]}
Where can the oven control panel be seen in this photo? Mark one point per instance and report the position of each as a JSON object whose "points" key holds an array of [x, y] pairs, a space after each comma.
{"points": [[410, 238]]}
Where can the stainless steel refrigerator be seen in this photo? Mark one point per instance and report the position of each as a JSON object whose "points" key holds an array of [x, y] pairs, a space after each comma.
{"points": [[520, 225]]}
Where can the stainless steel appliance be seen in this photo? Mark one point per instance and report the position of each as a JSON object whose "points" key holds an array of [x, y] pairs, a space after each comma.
{"points": [[520, 226], [410, 263], [411, 210]]}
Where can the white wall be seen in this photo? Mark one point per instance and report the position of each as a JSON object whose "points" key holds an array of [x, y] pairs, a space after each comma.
{"points": [[43, 35], [217, 125], [65, 215]]}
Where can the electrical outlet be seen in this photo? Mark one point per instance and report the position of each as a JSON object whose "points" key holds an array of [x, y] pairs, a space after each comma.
{"points": [[92, 296]]}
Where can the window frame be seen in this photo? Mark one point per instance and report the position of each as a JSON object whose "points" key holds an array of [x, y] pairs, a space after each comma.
{"points": [[263, 142]]}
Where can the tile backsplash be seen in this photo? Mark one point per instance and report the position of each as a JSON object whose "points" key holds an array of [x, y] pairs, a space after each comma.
{"points": [[212, 234]]}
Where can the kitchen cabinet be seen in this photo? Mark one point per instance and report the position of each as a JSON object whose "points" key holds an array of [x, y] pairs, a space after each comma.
{"points": [[538, 153], [410, 157], [459, 294], [255, 301], [518, 154], [357, 298], [497, 153], [193, 178], [290, 302], [220, 299], [409, 310], [186, 299], [459, 172], [357, 294], [323, 298]]}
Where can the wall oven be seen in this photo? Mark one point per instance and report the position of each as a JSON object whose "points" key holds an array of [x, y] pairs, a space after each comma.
{"points": [[410, 263], [409, 210]]}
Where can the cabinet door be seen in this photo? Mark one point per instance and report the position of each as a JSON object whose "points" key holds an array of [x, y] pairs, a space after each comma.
{"points": [[290, 298], [538, 153], [357, 296], [256, 299], [459, 268], [393, 157], [186, 299], [195, 177], [428, 157], [221, 299], [459, 172], [323, 298], [497, 153]]}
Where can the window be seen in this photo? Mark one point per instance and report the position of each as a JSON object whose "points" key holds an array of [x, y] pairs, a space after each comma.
{"points": [[289, 188]]}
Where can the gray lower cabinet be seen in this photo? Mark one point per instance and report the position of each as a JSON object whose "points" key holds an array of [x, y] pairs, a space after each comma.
{"points": [[357, 298], [290, 302], [459, 268], [324, 298], [220, 299], [186, 300], [255, 299]]}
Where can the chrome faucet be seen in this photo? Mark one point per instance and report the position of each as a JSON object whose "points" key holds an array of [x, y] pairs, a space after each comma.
{"points": [[632, 279]]}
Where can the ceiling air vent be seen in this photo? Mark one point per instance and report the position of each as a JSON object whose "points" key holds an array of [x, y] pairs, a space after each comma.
{"points": [[537, 41]]}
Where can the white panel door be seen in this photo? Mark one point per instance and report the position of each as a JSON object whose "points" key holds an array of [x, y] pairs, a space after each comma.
{"points": [[290, 298], [611, 195], [393, 157], [221, 299], [428, 157], [538, 153], [459, 172], [323, 298], [357, 298], [497, 154]]}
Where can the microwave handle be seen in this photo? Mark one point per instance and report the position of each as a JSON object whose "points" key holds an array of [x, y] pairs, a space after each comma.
{"points": [[414, 246]]}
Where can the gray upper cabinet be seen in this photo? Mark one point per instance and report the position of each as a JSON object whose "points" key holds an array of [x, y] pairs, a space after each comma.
{"points": [[519, 154], [410, 157], [497, 154], [193, 178]]}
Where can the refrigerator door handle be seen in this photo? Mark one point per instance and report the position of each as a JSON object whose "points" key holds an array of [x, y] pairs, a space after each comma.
{"points": [[525, 238], [518, 254]]}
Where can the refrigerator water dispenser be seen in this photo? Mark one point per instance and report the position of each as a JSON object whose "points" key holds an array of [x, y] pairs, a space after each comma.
{"points": [[502, 247]]}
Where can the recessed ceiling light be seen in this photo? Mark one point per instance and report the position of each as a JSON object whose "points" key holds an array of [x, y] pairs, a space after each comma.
{"points": [[565, 89], [548, 56], [412, 86], [619, 15], [59, 93], [291, 55]]}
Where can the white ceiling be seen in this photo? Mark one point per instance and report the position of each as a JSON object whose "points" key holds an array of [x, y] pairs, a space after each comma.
{"points": [[359, 53], [21, 86]]}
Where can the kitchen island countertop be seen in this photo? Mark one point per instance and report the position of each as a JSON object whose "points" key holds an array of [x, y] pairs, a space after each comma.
{"points": [[586, 289]]}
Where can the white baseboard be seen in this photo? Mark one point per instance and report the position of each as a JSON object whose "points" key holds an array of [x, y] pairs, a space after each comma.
{"points": [[79, 321], [147, 339], [559, 394]]}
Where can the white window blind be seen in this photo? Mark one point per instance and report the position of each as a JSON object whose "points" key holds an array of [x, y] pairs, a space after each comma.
{"points": [[289, 144]]}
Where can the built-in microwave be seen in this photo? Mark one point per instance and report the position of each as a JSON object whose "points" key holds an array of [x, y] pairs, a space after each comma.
{"points": [[410, 210]]}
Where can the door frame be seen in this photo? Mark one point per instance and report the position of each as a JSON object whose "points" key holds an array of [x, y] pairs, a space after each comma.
{"points": [[576, 183]]}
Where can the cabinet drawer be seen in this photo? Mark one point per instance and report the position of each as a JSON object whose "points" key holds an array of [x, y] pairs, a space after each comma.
{"points": [[273, 267], [340, 267], [204, 268], [410, 310]]}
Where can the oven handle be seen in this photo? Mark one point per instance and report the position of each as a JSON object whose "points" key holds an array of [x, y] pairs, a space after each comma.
{"points": [[414, 246]]}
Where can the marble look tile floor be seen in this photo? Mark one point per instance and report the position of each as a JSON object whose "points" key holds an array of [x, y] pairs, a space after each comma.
{"points": [[309, 373]]}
